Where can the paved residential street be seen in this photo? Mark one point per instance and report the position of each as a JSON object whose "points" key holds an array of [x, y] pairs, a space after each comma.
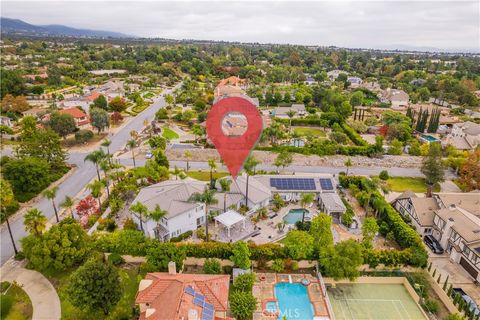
{"points": [[84, 172]]}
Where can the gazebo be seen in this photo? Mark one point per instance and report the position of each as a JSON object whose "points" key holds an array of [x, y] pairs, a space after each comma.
{"points": [[229, 219]]}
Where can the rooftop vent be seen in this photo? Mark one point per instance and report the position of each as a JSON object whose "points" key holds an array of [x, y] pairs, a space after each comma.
{"points": [[451, 219]]}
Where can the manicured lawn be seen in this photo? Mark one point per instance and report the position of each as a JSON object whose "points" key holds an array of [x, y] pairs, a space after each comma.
{"points": [[169, 134], [304, 131], [130, 278], [205, 175], [21, 305], [401, 184]]}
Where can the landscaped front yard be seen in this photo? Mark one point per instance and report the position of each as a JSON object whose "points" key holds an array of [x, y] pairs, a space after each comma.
{"points": [[306, 131], [415, 184], [15, 303]]}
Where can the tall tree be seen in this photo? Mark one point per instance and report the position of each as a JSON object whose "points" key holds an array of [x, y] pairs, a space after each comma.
{"points": [[250, 164], [188, 155], [132, 143], [140, 209], [348, 164], [342, 260], [321, 230], [101, 103], [62, 123], [432, 166], [35, 222], [207, 198], [95, 286], [96, 191], [369, 230], [99, 119], [67, 204], [6, 199], [213, 165], [96, 157], [284, 159], [470, 171], [106, 144], [156, 215], [50, 194], [225, 185]]}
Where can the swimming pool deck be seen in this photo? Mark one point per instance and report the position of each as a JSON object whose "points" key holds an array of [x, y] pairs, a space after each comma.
{"points": [[263, 290]]}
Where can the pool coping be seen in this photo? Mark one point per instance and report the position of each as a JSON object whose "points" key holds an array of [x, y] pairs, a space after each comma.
{"points": [[384, 280]]}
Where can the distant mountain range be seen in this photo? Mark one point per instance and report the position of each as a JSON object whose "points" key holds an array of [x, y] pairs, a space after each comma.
{"points": [[16, 26]]}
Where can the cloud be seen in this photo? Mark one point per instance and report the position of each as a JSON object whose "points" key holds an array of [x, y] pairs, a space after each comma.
{"points": [[440, 24]]}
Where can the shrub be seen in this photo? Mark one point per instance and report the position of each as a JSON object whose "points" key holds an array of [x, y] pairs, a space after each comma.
{"points": [[277, 265], [106, 224], [431, 306], [212, 266], [384, 175], [20, 256], [6, 302], [242, 305], [83, 136], [244, 282], [182, 237], [129, 224], [201, 233], [115, 259], [241, 255]]}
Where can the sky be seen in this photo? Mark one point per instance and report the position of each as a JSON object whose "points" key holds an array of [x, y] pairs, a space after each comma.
{"points": [[447, 25]]}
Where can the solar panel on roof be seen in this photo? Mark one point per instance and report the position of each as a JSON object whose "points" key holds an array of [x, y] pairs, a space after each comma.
{"points": [[198, 302], [190, 291], [326, 184], [207, 312], [207, 316], [199, 296], [207, 306], [293, 183]]}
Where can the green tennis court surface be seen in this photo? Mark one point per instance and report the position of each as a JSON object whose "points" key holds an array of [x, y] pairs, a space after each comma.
{"points": [[373, 301]]}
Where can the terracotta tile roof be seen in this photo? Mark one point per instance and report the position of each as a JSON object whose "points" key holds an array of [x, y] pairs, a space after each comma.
{"points": [[92, 96], [167, 297], [74, 112], [233, 80]]}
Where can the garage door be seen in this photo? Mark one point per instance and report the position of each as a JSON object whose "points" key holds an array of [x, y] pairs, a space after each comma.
{"points": [[470, 269]]}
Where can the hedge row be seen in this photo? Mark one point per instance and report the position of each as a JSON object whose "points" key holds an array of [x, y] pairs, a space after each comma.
{"points": [[131, 242], [404, 234], [325, 149], [353, 135]]}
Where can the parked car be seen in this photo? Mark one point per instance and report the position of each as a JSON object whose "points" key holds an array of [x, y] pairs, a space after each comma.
{"points": [[468, 300], [433, 244], [148, 155]]}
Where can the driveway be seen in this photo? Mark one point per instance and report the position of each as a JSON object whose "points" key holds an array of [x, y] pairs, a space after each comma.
{"points": [[44, 297], [457, 276]]}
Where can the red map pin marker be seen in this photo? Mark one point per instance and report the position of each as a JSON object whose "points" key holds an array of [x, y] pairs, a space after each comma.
{"points": [[234, 148]]}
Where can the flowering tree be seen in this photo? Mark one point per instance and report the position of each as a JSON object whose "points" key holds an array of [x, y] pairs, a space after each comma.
{"points": [[85, 208]]}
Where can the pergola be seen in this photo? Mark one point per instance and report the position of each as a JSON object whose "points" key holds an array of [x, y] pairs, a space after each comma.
{"points": [[229, 218]]}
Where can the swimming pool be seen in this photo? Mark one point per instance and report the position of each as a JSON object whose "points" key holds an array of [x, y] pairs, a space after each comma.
{"points": [[293, 301], [429, 138], [295, 215]]}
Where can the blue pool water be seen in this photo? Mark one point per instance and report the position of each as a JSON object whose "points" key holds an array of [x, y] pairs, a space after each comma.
{"points": [[271, 306], [429, 138], [294, 215], [293, 301]]}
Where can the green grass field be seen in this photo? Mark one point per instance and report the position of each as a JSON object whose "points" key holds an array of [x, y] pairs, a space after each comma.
{"points": [[21, 306], [205, 175], [304, 131], [415, 184], [169, 134]]}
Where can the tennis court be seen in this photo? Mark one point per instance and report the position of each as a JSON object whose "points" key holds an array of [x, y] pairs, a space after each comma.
{"points": [[373, 301]]}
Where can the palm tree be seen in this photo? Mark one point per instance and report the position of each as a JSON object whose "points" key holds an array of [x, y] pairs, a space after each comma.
{"points": [[348, 164], [188, 155], [95, 157], [96, 191], [50, 194], [140, 209], [68, 204], [176, 172], [132, 143], [157, 214], [207, 198], [212, 165], [290, 114], [106, 143], [225, 184], [106, 167], [6, 200], [249, 167], [35, 222]]}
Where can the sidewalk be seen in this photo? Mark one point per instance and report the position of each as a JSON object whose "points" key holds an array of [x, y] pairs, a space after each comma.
{"points": [[44, 297]]}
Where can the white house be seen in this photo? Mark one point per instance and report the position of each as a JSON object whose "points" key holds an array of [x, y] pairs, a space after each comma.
{"points": [[173, 197], [464, 136], [355, 82], [398, 98]]}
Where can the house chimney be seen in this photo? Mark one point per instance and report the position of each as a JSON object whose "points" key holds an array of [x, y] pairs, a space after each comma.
{"points": [[172, 268]]}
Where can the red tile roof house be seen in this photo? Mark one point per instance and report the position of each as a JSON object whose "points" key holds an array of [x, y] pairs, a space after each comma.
{"points": [[81, 119], [172, 296]]}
